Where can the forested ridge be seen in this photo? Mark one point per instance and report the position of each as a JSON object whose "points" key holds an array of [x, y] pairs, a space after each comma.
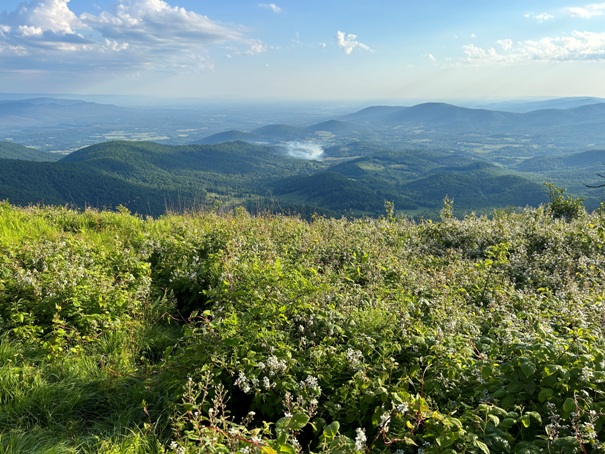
{"points": [[151, 179], [232, 332], [347, 164]]}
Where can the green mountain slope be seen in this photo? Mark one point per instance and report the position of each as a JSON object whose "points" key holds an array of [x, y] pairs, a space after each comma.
{"points": [[477, 187], [10, 150], [151, 178], [147, 177]]}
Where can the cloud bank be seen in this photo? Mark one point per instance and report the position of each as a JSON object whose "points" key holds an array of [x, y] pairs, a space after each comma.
{"points": [[586, 12], [136, 34], [578, 46]]}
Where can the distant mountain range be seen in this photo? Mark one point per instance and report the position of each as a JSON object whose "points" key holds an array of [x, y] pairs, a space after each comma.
{"points": [[349, 164], [37, 112], [557, 103], [569, 128]]}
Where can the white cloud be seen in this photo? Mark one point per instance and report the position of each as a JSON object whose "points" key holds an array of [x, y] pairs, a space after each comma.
{"points": [[541, 17], [256, 48], [135, 35], [272, 6], [349, 42], [52, 15], [431, 57], [578, 46], [505, 44], [586, 12]]}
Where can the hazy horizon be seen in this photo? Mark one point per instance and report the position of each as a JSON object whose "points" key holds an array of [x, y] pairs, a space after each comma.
{"points": [[342, 50]]}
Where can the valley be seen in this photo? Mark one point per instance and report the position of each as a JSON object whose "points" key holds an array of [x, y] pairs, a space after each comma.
{"points": [[314, 159]]}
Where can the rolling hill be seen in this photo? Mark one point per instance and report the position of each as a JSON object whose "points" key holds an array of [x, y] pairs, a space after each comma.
{"points": [[10, 150], [147, 177], [413, 156], [150, 178]]}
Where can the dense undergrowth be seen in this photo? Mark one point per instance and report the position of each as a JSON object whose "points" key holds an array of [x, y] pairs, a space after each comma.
{"points": [[239, 333]]}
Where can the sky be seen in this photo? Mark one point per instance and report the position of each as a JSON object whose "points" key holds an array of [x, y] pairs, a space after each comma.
{"points": [[304, 49]]}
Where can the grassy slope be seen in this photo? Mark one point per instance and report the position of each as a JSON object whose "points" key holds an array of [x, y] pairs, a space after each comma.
{"points": [[469, 335]]}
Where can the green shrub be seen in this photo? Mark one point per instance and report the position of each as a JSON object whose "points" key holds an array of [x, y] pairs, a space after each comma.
{"points": [[227, 333]]}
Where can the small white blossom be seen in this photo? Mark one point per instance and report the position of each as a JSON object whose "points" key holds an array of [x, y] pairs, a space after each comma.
{"points": [[360, 439], [402, 408], [242, 383], [275, 365], [385, 418], [267, 383], [354, 358], [177, 448], [310, 383]]}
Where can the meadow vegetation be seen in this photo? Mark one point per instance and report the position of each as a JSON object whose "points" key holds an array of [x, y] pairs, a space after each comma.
{"points": [[228, 332]]}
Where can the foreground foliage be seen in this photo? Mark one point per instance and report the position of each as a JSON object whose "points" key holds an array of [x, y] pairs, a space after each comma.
{"points": [[239, 333]]}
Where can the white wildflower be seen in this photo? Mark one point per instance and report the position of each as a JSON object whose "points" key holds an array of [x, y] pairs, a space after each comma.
{"points": [[242, 383], [275, 365], [311, 383], [360, 439], [385, 418], [267, 383], [402, 408], [354, 358]]}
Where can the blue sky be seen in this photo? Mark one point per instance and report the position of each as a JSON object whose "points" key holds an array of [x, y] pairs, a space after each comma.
{"points": [[304, 49]]}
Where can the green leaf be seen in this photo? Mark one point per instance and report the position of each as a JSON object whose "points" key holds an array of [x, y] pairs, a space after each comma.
{"points": [[331, 430], [508, 401], [551, 369], [535, 415], [409, 441], [298, 421], [500, 412], [507, 423], [545, 394], [447, 439], [282, 423], [494, 419], [569, 404], [528, 368], [282, 436], [525, 420], [482, 446]]}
